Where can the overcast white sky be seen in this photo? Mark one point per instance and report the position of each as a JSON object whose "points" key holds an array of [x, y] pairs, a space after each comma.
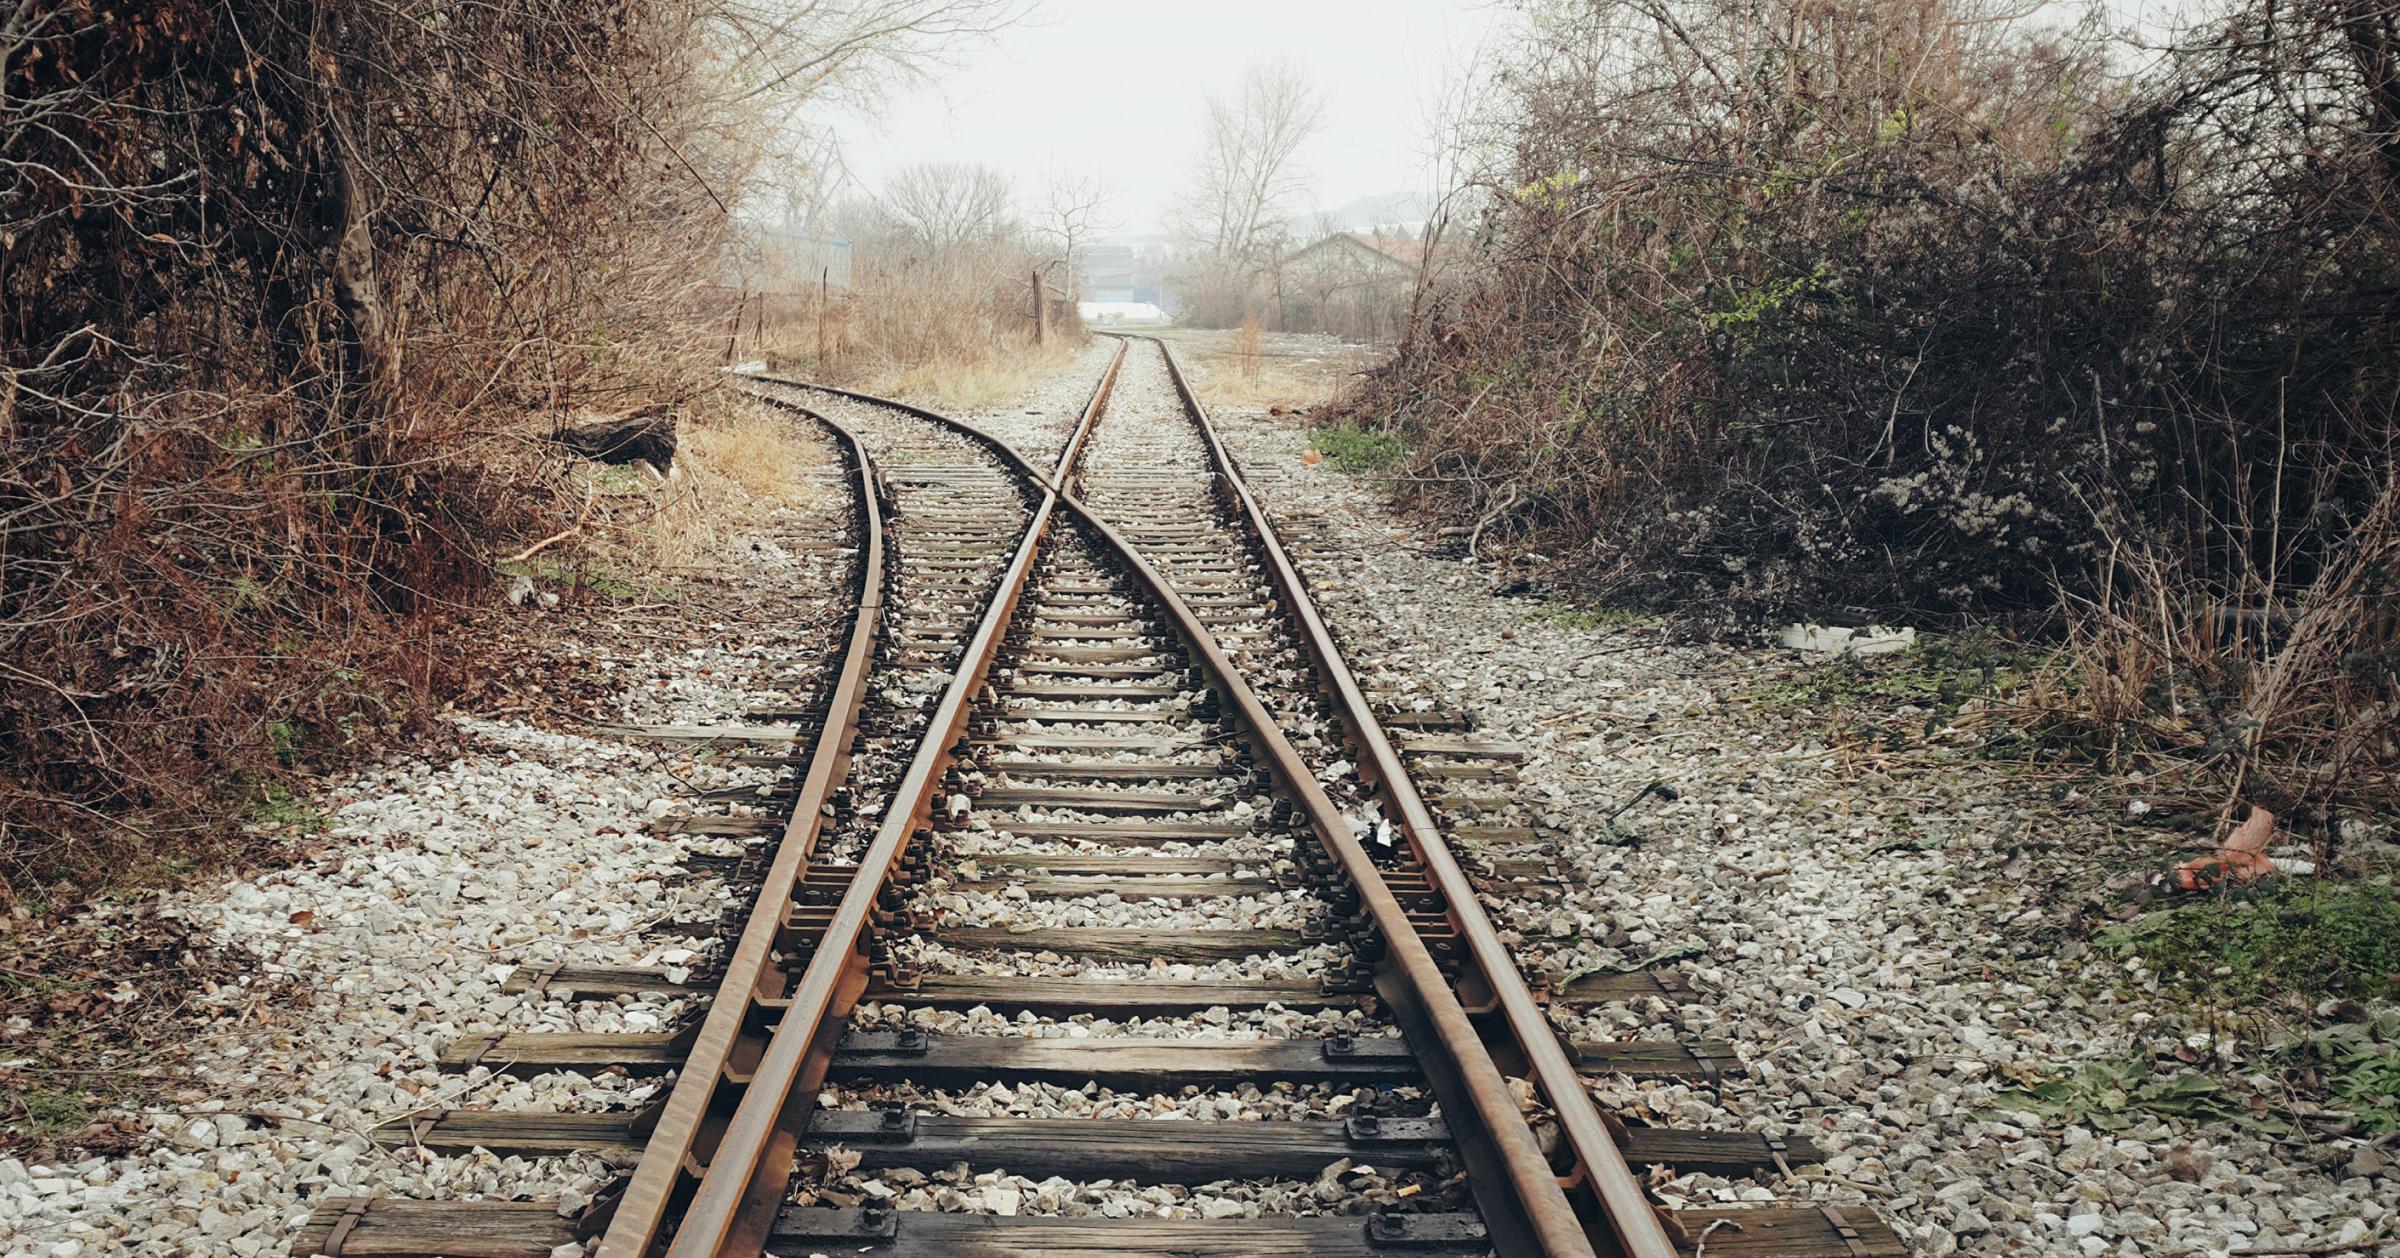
{"points": [[1118, 85]]}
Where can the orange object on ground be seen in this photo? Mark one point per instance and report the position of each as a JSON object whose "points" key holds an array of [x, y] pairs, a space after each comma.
{"points": [[2242, 857]]}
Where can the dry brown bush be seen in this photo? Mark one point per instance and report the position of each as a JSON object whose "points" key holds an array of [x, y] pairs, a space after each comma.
{"points": [[1914, 308], [285, 290], [2282, 697], [1246, 347], [246, 339]]}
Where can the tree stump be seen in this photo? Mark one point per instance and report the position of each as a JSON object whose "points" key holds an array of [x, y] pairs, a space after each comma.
{"points": [[646, 435]]}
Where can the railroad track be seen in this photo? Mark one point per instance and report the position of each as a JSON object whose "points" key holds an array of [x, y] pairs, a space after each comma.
{"points": [[1106, 917]]}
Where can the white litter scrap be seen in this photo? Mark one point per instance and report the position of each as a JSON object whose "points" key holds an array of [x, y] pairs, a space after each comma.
{"points": [[1115, 312], [1844, 640]]}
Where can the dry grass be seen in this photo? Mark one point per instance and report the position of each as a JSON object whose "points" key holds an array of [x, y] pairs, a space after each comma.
{"points": [[2280, 694], [1292, 387], [948, 325], [762, 452], [952, 330], [980, 379], [733, 464], [1243, 372], [1243, 368]]}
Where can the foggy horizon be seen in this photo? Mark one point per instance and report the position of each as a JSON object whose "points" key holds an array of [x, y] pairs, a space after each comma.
{"points": [[1042, 96]]}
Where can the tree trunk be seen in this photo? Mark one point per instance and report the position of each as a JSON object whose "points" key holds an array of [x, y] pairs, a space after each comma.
{"points": [[375, 355]]}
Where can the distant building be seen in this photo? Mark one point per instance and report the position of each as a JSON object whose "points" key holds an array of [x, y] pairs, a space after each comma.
{"points": [[1357, 258], [1351, 284], [1121, 273], [1108, 273]]}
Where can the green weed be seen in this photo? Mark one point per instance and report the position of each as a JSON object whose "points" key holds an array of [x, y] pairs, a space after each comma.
{"points": [[594, 579], [274, 806], [1929, 684], [2305, 939], [285, 737], [2115, 1095], [246, 595], [617, 479], [1937, 672], [49, 1111], [2359, 1065], [1354, 449], [1594, 618]]}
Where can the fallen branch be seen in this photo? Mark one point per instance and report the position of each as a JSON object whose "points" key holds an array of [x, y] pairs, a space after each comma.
{"points": [[591, 494], [1727, 863]]}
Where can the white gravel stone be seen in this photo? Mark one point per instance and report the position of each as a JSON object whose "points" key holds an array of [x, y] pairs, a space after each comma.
{"points": [[433, 882]]}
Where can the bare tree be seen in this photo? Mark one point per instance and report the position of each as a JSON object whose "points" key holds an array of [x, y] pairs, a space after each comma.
{"points": [[936, 206], [1247, 174], [815, 49], [1077, 204]]}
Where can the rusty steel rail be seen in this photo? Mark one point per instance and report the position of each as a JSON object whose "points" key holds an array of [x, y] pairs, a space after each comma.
{"points": [[746, 995], [1523, 1203], [742, 1182], [1607, 1192]]}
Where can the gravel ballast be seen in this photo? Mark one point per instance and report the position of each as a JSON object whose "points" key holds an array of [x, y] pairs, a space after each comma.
{"points": [[1860, 929]]}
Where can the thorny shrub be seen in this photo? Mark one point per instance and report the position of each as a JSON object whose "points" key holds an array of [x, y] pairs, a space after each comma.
{"points": [[281, 284], [1911, 308]]}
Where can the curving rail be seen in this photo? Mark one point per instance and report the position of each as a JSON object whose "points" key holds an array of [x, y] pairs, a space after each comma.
{"points": [[1523, 1203], [729, 1037], [714, 1159], [734, 1204]]}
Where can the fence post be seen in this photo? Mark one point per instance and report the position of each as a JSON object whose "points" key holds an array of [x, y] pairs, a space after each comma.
{"points": [[1040, 315], [824, 296]]}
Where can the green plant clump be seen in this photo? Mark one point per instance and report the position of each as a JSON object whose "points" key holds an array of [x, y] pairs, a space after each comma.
{"points": [[1355, 449], [2359, 1063], [2115, 1095], [274, 806], [1595, 618], [2301, 938], [49, 1111], [1939, 674]]}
